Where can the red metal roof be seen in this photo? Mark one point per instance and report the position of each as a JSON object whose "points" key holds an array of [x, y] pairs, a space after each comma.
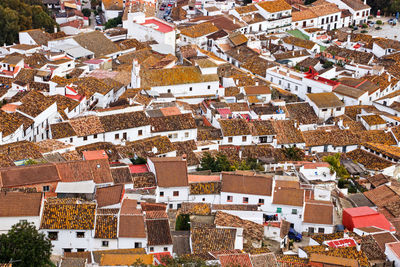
{"points": [[161, 27], [138, 168], [341, 243]]}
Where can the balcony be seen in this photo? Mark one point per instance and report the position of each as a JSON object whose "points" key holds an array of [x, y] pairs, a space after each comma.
{"points": [[281, 17]]}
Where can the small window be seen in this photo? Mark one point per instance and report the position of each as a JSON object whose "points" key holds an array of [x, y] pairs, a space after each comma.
{"points": [[190, 89], [80, 250], [165, 248], [161, 193], [140, 132], [125, 136], [138, 244], [244, 138], [169, 91], [71, 140], [209, 87], [95, 136], [104, 243], [151, 249], [53, 235], [338, 109], [175, 135], [176, 193], [321, 230], [245, 200], [67, 250], [171, 206], [261, 201], [229, 198], [46, 188], [80, 234], [85, 138], [116, 136], [23, 221], [278, 210], [230, 139], [187, 134], [294, 211], [170, 136], [324, 109]]}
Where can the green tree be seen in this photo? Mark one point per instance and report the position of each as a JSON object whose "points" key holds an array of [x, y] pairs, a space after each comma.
{"points": [[25, 246], [292, 153], [207, 162], [20, 15], [182, 222], [30, 162], [112, 23], [334, 161], [86, 12], [222, 163]]}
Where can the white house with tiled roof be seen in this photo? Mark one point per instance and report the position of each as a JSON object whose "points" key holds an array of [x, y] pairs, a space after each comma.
{"points": [[358, 8]]}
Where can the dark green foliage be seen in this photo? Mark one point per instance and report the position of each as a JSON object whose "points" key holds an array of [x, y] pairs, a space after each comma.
{"points": [[25, 246], [17, 15], [379, 22], [138, 161], [217, 164], [86, 12], [327, 64], [334, 161], [112, 23], [386, 7], [182, 222], [249, 164], [292, 153]]}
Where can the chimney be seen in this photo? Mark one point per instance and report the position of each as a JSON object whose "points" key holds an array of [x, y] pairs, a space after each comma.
{"points": [[365, 2], [252, 16], [234, 21]]}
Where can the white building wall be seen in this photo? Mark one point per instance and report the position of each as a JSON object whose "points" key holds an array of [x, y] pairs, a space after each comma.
{"points": [[7, 222], [67, 240]]}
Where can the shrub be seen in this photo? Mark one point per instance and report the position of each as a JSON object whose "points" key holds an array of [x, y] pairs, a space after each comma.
{"points": [[86, 12], [379, 22], [364, 31], [364, 26], [182, 222], [378, 28], [370, 17]]}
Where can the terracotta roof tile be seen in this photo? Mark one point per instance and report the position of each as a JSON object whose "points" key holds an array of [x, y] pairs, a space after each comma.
{"points": [[109, 195], [212, 239], [158, 232], [106, 226], [199, 30], [246, 184], [68, 216], [125, 226]]}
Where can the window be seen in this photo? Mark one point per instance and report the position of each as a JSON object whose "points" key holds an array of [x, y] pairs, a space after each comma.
{"points": [[178, 206], [170, 136], [171, 206], [125, 136], [138, 244], [322, 21], [80, 250], [46, 188], [229, 198], [104, 243], [116, 136], [324, 109], [71, 140], [190, 89], [95, 136], [309, 89], [66, 250], [261, 201], [209, 87], [230, 139], [338, 109], [245, 200], [85, 138], [175, 135], [161, 193], [278, 210], [176, 193], [321, 230], [23, 221], [151, 249], [53, 235], [187, 134], [80, 234], [140, 132], [165, 248], [244, 138], [294, 211], [169, 91]]}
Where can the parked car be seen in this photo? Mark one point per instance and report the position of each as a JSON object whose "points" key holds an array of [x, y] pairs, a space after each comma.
{"points": [[294, 235]]}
